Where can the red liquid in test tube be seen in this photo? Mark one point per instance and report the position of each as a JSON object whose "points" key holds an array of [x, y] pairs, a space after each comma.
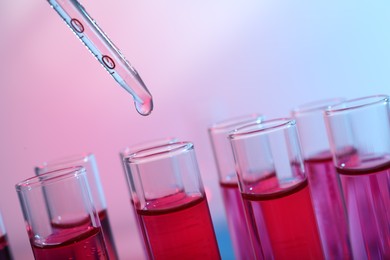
{"points": [[237, 224], [183, 229], [61, 220], [324, 184], [90, 163], [72, 243], [228, 183], [127, 152], [5, 253], [288, 217], [359, 134], [170, 202], [275, 190], [367, 195], [329, 206]]}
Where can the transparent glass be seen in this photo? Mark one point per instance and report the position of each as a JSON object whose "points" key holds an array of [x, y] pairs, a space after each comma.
{"points": [[275, 191], [5, 251], [359, 136], [61, 220], [228, 183], [109, 56], [140, 146], [171, 204], [128, 151], [88, 161], [324, 184]]}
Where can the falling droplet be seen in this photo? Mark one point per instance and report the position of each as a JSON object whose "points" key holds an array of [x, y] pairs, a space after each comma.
{"points": [[144, 108]]}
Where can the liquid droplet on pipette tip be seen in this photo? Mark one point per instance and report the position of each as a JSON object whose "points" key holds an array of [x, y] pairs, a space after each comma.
{"points": [[144, 108]]}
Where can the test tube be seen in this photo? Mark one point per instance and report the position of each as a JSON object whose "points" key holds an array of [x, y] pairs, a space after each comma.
{"points": [[126, 169], [171, 203], [93, 37], [88, 161], [275, 191], [228, 183], [324, 185], [359, 135], [5, 251], [61, 220]]}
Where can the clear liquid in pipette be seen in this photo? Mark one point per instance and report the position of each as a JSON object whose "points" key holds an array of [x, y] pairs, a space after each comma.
{"points": [[86, 29]]}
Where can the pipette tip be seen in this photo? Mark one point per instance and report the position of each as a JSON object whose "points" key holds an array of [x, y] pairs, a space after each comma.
{"points": [[145, 108]]}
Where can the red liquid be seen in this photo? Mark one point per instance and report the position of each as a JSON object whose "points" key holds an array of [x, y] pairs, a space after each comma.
{"points": [[286, 219], [72, 243], [141, 231], [5, 253], [329, 206], [108, 237], [236, 219], [366, 189], [179, 227], [106, 228]]}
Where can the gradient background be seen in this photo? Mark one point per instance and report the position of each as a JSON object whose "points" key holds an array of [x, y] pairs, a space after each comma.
{"points": [[203, 61]]}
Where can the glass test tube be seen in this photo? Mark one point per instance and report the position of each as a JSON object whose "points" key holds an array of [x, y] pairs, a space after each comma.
{"points": [[171, 204], [128, 151], [359, 135], [5, 251], [61, 220], [325, 188], [228, 183], [275, 190], [88, 161]]}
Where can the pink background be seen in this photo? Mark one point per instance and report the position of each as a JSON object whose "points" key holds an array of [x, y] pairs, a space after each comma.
{"points": [[203, 61]]}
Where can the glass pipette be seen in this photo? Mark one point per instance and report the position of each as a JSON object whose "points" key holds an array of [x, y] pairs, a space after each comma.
{"points": [[105, 52]]}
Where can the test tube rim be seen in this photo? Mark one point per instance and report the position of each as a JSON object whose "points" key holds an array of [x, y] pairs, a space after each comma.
{"points": [[166, 150], [139, 146], [266, 127], [64, 162], [50, 178], [357, 103], [316, 106], [227, 125]]}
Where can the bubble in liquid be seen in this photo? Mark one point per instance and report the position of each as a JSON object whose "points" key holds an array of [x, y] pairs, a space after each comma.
{"points": [[144, 108]]}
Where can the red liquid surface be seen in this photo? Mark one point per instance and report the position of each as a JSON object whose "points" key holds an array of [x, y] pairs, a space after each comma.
{"points": [[236, 219], [366, 189], [108, 236], [179, 227], [284, 221], [72, 243], [5, 253], [329, 206]]}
